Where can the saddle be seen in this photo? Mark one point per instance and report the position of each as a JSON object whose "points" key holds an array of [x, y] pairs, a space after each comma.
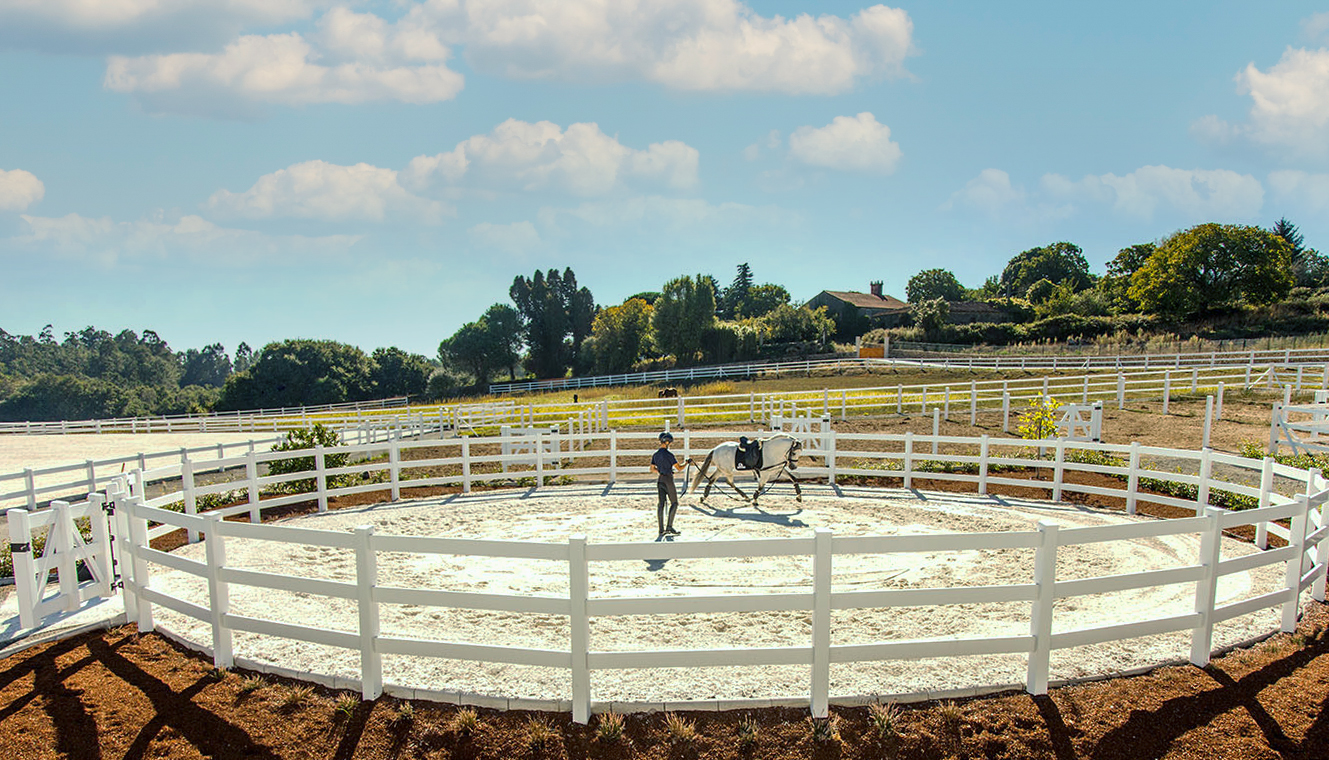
{"points": [[749, 454]]}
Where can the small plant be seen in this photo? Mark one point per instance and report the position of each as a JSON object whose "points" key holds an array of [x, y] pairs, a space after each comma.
{"points": [[296, 696], [952, 719], [885, 720], [346, 705], [679, 730], [251, 684], [466, 721], [610, 728], [539, 732], [218, 674], [1039, 420], [825, 730], [404, 713], [747, 731]]}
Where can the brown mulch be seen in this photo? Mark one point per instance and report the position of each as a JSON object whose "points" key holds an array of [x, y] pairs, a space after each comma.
{"points": [[117, 694]]}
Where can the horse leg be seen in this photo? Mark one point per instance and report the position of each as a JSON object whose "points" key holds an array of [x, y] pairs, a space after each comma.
{"points": [[734, 486], [709, 482], [798, 492]]}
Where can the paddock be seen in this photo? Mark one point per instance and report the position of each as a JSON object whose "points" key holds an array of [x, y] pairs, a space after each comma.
{"points": [[610, 515]]}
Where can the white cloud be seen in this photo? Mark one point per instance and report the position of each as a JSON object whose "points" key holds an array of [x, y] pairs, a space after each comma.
{"points": [[681, 44], [112, 13], [849, 143], [359, 59], [990, 192], [1195, 194], [106, 241], [1303, 188], [19, 189], [536, 156], [1316, 26], [673, 213], [518, 237], [320, 190], [1289, 106]]}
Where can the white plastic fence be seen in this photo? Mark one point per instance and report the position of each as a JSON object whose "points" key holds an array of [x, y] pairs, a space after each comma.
{"points": [[64, 546], [1304, 556]]}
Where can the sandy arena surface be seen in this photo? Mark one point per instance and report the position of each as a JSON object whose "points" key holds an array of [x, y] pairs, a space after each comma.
{"points": [[626, 513]]}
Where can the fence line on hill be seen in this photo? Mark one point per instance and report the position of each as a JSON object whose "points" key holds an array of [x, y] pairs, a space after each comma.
{"points": [[974, 461]]}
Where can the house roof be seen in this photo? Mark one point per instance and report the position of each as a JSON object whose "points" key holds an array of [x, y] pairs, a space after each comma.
{"points": [[974, 307], [867, 300]]}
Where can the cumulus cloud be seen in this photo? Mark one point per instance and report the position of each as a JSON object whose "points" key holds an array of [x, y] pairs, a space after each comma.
{"points": [[1303, 188], [19, 189], [351, 58], [672, 213], [1289, 106], [106, 241], [320, 190], [1191, 193], [849, 143], [518, 237], [989, 192], [1316, 26], [681, 44], [534, 156]]}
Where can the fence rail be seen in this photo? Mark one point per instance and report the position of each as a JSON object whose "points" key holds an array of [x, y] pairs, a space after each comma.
{"points": [[614, 455]]}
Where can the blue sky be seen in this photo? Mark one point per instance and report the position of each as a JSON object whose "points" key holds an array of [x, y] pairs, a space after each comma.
{"points": [[377, 172]]}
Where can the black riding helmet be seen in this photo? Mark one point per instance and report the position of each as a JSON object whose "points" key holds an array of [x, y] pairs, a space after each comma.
{"points": [[666, 436]]}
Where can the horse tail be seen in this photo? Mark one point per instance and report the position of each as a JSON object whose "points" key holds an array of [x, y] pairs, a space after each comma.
{"points": [[701, 470]]}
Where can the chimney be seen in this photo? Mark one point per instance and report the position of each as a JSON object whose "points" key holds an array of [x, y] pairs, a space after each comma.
{"points": [[876, 288]]}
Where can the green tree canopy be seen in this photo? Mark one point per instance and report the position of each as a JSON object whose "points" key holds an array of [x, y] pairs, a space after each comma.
{"points": [[556, 317], [490, 343], [1056, 262], [931, 315], [621, 335], [684, 311], [1213, 266], [395, 372], [300, 372], [210, 366], [934, 283]]}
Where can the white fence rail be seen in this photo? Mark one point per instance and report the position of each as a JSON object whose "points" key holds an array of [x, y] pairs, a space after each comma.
{"points": [[608, 457]]}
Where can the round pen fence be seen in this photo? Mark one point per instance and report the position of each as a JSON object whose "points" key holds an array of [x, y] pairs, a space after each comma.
{"points": [[1271, 499]]}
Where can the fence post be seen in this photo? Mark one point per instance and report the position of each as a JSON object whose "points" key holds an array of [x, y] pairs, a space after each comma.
{"points": [[60, 539], [1132, 482], [119, 494], [1246, 384], [1059, 471], [844, 405], [1208, 420], [92, 475], [1218, 404], [394, 466], [752, 406], [821, 623], [1195, 381], [1275, 418], [829, 438], [1040, 618], [1206, 589], [251, 486], [899, 399], [936, 427], [191, 502], [539, 460], [973, 403], [613, 456], [682, 413], [923, 406], [30, 485], [25, 571], [825, 402], [908, 462], [320, 465], [138, 536], [1005, 411], [1121, 391], [1206, 471], [1167, 389], [466, 464], [219, 598], [366, 579], [983, 465], [1085, 396], [580, 640], [1266, 498], [1295, 564]]}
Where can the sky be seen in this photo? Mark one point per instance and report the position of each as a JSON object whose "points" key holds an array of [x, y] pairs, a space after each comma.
{"points": [[378, 172]]}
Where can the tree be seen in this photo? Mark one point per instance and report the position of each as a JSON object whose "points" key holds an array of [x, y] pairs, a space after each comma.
{"points": [[931, 315], [737, 293], [1213, 266], [297, 373], [486, 345], [395, 372], [1310, 268], [210, 366], [556, 317], [786, 323], [685, 309], [933, 283], [621, 335], [762, 300], [1055, 262], [1116, 284], [244, 357], [1288, 231]]}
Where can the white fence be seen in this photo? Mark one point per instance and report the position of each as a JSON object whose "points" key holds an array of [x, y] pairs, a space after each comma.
{"points": [[64, 546], [608, 457]]}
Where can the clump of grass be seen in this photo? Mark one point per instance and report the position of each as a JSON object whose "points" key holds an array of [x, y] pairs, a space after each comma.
{"points": [[679, 730], [404, 714], [466, 721], [346, 705], [218, 674], [609, 729], [825, 730], [251, 684], [952, 718], [747, 731], [296, 696], [539, 732], [885, 720]]}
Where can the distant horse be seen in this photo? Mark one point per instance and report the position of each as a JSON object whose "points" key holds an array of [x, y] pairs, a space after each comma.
{"points": [[670, 392], [779, 455]]}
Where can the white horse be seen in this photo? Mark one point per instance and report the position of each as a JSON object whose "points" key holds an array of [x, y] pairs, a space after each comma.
{"points": [[779, 455]]}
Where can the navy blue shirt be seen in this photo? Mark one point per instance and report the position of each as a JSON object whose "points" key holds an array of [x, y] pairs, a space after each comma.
{"points": [[664, 461]]}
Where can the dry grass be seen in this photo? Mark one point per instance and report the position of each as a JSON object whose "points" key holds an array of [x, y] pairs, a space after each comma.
{"points": [[679, 730], [466, 721], [610, 727]]}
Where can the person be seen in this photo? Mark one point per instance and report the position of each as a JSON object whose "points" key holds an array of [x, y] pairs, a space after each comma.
{"points": [[664, 463]]}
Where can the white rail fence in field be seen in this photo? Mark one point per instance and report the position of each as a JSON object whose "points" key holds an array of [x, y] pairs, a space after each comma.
{"points": [[1298, 501]]}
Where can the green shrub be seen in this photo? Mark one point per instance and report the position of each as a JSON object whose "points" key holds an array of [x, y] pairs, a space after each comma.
{"points": [[307, 438]]}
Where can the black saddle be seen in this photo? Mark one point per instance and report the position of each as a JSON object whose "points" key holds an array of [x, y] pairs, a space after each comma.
{"points": [[749, 454]]}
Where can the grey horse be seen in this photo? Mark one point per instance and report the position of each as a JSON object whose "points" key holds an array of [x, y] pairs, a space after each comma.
{"points": [[779, 455]]}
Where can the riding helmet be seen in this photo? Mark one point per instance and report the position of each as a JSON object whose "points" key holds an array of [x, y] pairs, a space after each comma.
{"points": [[665, 436]]}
